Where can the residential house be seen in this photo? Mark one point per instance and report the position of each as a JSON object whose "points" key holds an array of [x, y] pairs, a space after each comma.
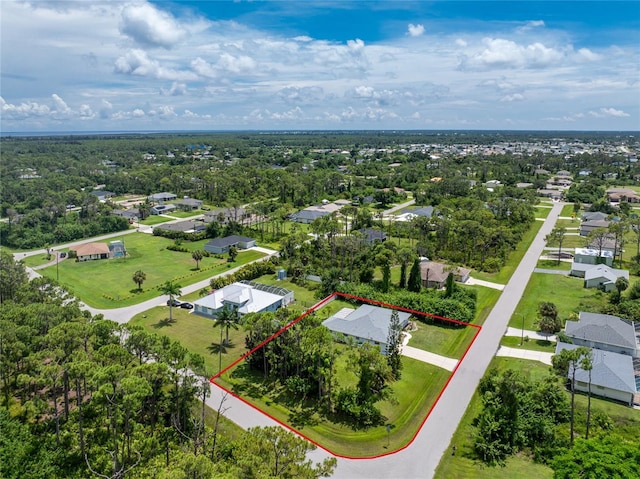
{"points": [[587, 227], [308, 215], [90, 251], [367, 324], [434, 275], [188, 226], [161, 209], [548, 193], [162, 197], [131, 214], [598, 276], [189, 204], [593, 256], [226, 215], [594, 216], [621, 195], [371, 235], [117, 249], [604, 331], [102, 195], [612, 374], [222, 245], [245, 297]]}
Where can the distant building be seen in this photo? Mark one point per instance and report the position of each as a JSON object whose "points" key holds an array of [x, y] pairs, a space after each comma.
{"points": [[162, 197], [434, 275], [222, 245]]}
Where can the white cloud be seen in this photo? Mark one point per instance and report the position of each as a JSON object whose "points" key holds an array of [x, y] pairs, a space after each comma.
{"points": [[514, 97], [301, 95], [415, 30], [177, 89], [608, 113], [136, 62], [530, 25], [503, 53], [23, 111], [148, 26], [461, 43]]}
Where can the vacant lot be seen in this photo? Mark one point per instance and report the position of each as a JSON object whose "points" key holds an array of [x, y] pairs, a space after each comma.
{"points": [[567, 293], [109, 283]]}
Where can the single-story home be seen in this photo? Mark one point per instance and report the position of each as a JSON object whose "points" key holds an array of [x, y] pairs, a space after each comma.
{"points": [[103, 195], [117, 249], [225, 215], [594, 216], [161, 209], [245, 296], [612, 375], [222, 245], [587, 227], [188, 226], [604, 331], [371, 235], [593, 256], [90, 251], [434, 275], [367, 324], [161, 197], [189, 204], [617, 195], [549, 193], [598, 276], [132, 214]]}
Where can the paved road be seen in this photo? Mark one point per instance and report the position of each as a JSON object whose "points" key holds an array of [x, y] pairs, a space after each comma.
{"points": [[421, 458], [398, 207]]}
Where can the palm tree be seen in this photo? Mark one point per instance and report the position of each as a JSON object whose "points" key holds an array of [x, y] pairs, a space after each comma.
{"points": [[586, 364], [172, 289], [227, 318], [197, 256], [139, 277]]}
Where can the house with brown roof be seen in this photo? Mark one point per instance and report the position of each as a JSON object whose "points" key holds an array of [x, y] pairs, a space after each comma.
{"points": [[90, 251], [434, 275]]}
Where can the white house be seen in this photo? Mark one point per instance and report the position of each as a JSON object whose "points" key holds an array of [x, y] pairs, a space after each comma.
{"points": [[367, 324], [245, 297], [593, 256], [612, 375], [598, 276]]}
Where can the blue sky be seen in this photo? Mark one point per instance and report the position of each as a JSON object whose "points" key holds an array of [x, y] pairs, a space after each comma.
{"points": [[224, 65]]}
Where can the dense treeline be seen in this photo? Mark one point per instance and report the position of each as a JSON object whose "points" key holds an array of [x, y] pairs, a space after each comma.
{"points": [[82, 396]]}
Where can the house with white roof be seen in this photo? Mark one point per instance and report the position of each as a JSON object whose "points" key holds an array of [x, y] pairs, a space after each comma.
{"points": [[367, 324], [245, 297], [593, 256]]}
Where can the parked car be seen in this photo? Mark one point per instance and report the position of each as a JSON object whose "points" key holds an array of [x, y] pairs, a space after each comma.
{"points": [[63, 255], [175, 303], [186, 306]]}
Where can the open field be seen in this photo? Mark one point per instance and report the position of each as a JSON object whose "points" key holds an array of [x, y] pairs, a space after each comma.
{"points": [[574, 241], [567, 293], [567, 210], [486, 299], [541, 211], [572, 226], [108, 283], [447, 341], [154, 220], [553, 264]]}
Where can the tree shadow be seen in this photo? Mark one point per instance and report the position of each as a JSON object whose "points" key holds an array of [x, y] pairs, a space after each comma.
{"points": [[215, 348], [303, 416], [163, 323], [248, 382]]}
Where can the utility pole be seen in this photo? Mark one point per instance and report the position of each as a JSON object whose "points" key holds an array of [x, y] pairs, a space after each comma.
{"points": [[522, 337]]}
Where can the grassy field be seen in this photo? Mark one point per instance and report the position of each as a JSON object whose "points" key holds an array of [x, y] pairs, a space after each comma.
{"points": [[515, 257], [447, 341], [39, 259], [574, 241], [541, 211], [532, 344], [154, 220], [486, 299], [567, 293], [108, 283], [570, 225], [567, 210]]}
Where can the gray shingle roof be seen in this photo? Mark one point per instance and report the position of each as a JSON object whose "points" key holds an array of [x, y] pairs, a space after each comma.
{"points": [[367, 322], [228, 241], [610, 370], [602, 328]]}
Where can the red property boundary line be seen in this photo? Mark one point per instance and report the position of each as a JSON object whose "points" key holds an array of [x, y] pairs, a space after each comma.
{"points": [[313, 309]]}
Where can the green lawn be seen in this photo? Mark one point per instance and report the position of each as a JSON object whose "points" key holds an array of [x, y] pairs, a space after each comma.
{"points": [[567, 293], [567, 210], [108, 283], [486, 299], [574, 241], [541, 211], [39, 259], [507, 270], [447, 341], [415, 393], [553, 264], [154, 220], [532, 344], [184, 214], [194, 332], [570, 225]]}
